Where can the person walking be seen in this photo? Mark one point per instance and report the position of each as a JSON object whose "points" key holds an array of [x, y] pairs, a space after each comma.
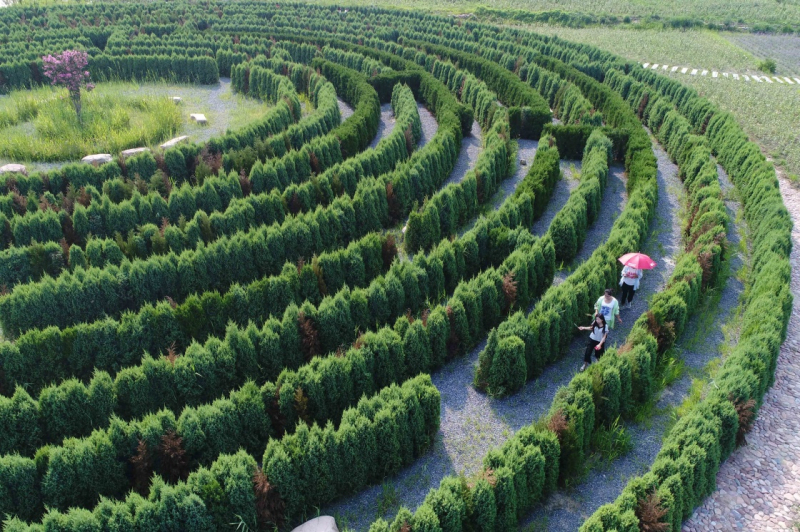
{"points": [[597, 340], [629, 282], [608, 307]]}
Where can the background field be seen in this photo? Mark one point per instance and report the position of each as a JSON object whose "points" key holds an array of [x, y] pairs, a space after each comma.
{"points": [[769, 113], [734, 11]]}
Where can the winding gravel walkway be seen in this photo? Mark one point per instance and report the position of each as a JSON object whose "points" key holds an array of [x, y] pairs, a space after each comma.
{"points": [[470, 150], [429, 125], [758, 487], [345, 110], [564, 186], [706, 331], [385, 125]]}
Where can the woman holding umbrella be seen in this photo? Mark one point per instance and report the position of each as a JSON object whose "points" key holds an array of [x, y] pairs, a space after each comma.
{"points": [[633, 264]]}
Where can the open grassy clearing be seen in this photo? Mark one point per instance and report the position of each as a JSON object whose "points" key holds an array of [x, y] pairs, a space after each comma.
{"points": [[40, 126]]}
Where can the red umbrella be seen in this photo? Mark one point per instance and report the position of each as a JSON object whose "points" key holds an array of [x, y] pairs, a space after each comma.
{"points": [[638, 260]]}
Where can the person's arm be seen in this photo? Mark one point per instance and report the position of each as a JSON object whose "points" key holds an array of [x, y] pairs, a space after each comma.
{"points": [[603, 341], [640, 274], [616, 312]]}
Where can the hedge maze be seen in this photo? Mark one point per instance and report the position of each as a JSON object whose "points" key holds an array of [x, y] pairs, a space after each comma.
{"points": [[240, 332]]}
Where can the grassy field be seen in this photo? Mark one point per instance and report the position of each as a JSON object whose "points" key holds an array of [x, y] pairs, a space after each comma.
{"points": [[41, 127], [780, 12], [769, 113]]}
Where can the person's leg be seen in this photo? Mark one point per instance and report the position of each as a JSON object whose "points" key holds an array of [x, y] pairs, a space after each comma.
{"points": [[587, 354], [627, 294]]}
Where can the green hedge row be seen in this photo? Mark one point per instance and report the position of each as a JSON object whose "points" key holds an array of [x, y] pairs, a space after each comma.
{"points": [[514, 478], [257, 78], [569, 226], [103, 67], [140, 389], [359, 62], [508, 87], [87, 295], [377, 437], [571, 140], [42, 356]]}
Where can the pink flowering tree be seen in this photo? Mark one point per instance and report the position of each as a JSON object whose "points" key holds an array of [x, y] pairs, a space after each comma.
{"points": [[68, 69]]}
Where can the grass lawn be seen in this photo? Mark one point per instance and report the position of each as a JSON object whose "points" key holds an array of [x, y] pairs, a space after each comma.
{"points": [[40, 128]]}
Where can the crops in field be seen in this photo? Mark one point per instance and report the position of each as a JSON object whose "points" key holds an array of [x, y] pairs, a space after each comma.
{"points": [[236, 332]]}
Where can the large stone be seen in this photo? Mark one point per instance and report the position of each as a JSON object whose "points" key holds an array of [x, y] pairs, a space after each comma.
{"points": [[13, 168], [200, 118], [176, 100], [324, 523], [98, 158], [173, 142], [133, 151]]}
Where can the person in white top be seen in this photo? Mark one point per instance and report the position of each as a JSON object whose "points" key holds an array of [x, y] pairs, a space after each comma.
{"points": [[630, 284], [597, 340]]}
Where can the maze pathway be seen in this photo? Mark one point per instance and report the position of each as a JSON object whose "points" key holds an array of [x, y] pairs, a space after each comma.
{"points": [[567, 510], [385, 125], [758, 487], [429, 125], [345, 109], [470, 150]]}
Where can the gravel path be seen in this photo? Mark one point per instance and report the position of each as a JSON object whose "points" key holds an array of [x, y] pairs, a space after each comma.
{"points": [[706, 331], [470, 150], [564, 186], [758, 487], [345, 110], [385, 125], [614, 199], [429, 125], [471, 422]]}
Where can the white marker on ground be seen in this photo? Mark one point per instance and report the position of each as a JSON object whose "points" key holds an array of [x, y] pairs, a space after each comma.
{"points": [[789, 81], [683, 70], [704, 73], [766, 78], [736, 76], [654, 66], [725, 74], [694, 72], [776, 78], [645, 65], [757, 79], [797, 80], [664, 67], [746, 77], [715, 74], [673, 69]]}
